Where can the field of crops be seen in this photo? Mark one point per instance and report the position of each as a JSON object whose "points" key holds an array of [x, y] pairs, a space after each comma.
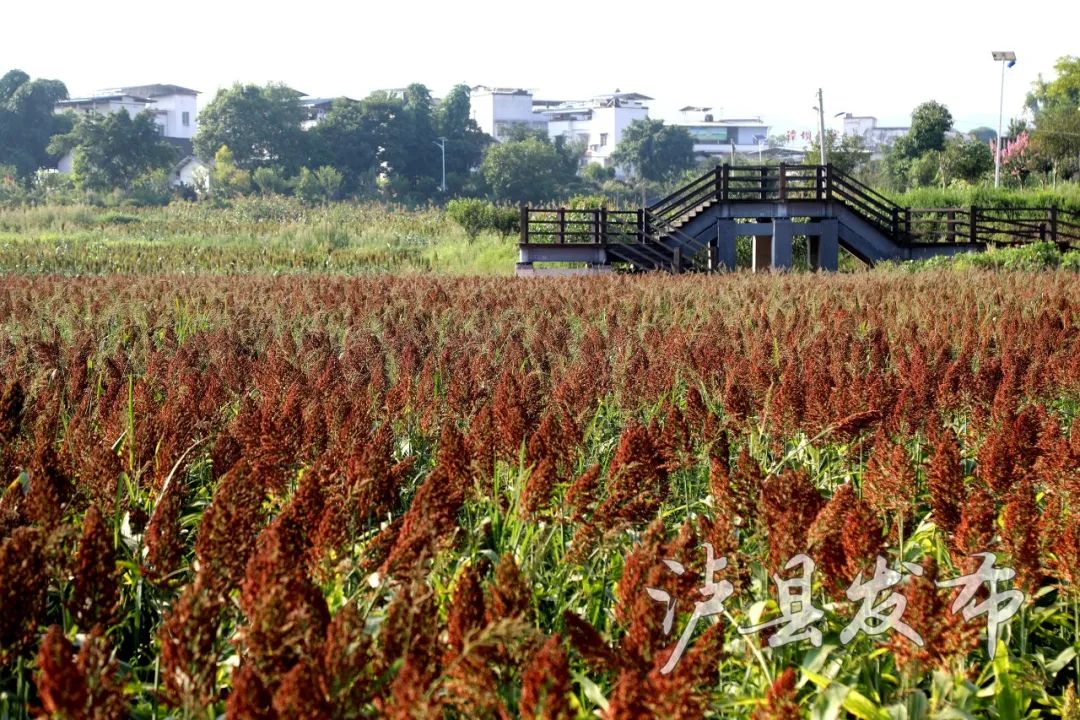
{"points": [[328, 497]]}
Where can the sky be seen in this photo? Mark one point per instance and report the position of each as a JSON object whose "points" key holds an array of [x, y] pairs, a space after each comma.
{"points": [[741, 58]]}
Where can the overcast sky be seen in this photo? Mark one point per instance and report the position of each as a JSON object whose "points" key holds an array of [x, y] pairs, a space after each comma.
{"points": [[742, 58]]}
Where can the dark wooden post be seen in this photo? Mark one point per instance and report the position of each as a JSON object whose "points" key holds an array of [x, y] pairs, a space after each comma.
{"points": [[676, 260], [725, 183], [783, 182], [524, 221], [950, 226], [819, 182], [718, 183], [641, 229], [972, 223], [828, 181], [1053, 223], [907, 222], [895, 221], [601, 226], [764, 183], [561, 215]]}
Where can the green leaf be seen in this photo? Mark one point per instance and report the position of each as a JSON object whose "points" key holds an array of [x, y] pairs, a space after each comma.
{"points": [[854, 701], [1005, 699], [1061, 661]]}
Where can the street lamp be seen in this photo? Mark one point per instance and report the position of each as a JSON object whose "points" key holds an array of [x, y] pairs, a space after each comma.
{"points": [[441, 142], [1007, 58]]}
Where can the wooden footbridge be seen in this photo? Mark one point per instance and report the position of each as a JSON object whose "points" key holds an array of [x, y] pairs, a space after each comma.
{"points": [[695, 227]]}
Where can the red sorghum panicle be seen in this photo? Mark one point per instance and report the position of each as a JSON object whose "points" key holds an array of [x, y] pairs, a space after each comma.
{"points": [[545, 684], [945, 635], [637, 480], [945, 478], [23, 586], [228, 529], [509, 595], [96, 597], [888, 483], [536, 495], [976, 530], [286, 613], [1020, 524], [781, 699], [249, 698], [188, 636], [466, 615], [60, 685], [347, 659], [583, 493], [789, 505], [300, 695], [590, 644], [87, 686]]}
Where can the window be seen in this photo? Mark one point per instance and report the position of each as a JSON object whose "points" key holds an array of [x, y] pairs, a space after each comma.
{"points": [[603, 139], [185, 118]]}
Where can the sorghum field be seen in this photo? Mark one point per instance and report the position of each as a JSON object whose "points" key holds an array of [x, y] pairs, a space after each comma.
{"points": [[327, 497]]}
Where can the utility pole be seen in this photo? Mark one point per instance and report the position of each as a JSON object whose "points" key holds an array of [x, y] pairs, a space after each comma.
{"points": [[1004, 57], [441, 142], [821, 126]]}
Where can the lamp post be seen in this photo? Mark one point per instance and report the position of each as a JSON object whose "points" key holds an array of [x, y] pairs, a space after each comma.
{"points": [[1006, 58], [821, 126], [441, 142]]}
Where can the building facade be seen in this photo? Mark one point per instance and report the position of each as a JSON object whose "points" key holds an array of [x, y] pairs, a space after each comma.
{"points": [[877, 138], [718, 138], [597, 123], [499, 110]]}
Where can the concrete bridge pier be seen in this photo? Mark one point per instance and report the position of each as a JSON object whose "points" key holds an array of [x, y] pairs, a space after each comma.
{"points": [[825, 247], [722, 248], [783, 239]]}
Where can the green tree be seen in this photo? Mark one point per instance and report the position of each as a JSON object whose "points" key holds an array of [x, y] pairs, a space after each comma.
{"points": [[983, 134], [533, 169], [111, 151], [260, 124], [465, 141], [28, 122], [349, 138], [226, 178], [967, 159], [655, 151], [1062, 90], [1056, 138], [846, 153], [929, 123]]}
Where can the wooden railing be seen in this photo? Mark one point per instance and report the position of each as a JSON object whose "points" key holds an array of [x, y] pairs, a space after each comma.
{"points": [[796, 183]]}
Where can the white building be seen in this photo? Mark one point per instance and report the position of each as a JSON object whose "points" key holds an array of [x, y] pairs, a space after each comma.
{"points": [[716, 137], [174, 110], [877, 138], [498, 110], [598, 123]]}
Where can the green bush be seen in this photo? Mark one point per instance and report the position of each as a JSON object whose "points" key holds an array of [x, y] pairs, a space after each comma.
{"points": [[270, 181], [475, 216]]}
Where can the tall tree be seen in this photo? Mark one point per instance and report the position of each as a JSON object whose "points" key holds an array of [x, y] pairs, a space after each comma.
{"points": [[530, 169], [929, 123], [465, 141], [28, 120], [111, 151], [655, 151], [349, 138], [260, 124], [1062, 90], [847, 153]]}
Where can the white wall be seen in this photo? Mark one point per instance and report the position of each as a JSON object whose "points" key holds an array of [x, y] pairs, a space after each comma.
{"points": [[174, 107], [496, 112]]}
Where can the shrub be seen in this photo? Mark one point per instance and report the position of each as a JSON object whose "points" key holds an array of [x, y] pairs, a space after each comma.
{"points": [[472, 214], [270, 181]]}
